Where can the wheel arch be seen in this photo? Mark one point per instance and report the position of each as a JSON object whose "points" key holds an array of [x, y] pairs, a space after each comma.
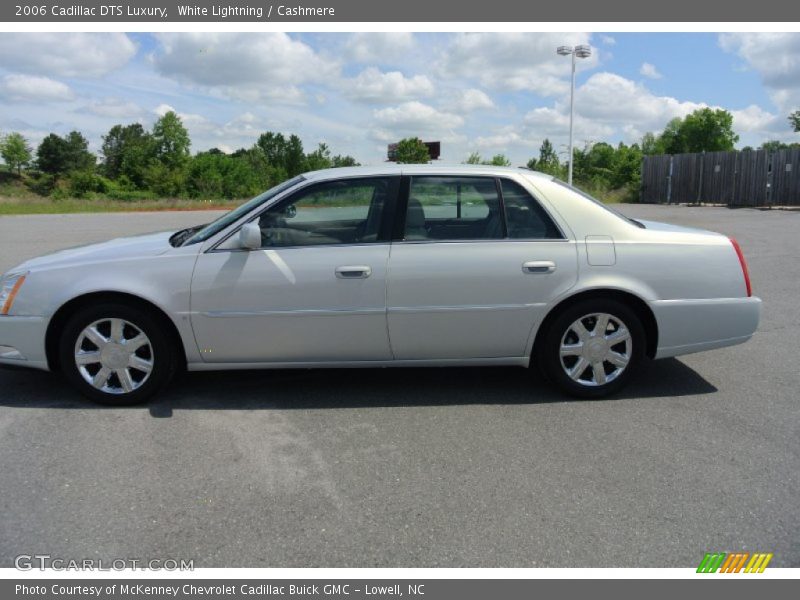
{"points": [[637, 304], [60, 318]]}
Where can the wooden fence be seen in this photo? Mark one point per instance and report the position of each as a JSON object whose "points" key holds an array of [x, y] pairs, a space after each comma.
{"points": [[751, 178]]}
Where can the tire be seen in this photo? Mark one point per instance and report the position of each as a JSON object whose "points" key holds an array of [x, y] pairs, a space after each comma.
{"points": [[125, 355], [616, 353]]}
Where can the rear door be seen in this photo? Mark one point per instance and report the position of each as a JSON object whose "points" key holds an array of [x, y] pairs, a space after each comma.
{"points": [[477, 263]]}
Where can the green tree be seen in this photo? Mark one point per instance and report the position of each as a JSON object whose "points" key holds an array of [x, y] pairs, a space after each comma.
{"points": [[627, 166], [652, 144], [704, 130], [499, 160], [344, 161], [412, 151], [57, 155], [319, 158], [165, 181], [794, 120], [214, 174], [283, 153], [774, 145], [273, 145], [548, 159], [295, 157], [127, 150], [16, 151], [50, 154], [171, 141], [473, 159], [267, 175]]}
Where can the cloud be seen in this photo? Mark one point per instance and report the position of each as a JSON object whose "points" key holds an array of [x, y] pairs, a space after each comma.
{"points": [[650, 71], [410, 115], [66, 54], [387, 47], [609, 105], [372, 85], [247, 66], [472, 99], [115, 108], [762, 123], [775, 57], [513, 61], [607, 40], [416, 119], [30, 88], [552, 122], [504, 139], [611, 99]]}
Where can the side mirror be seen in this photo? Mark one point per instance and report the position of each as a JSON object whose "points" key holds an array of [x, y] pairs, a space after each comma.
{"points": [[250, 236]]}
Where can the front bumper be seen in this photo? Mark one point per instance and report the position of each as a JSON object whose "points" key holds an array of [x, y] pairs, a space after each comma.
{"points": [[686, 326], [22, 342]]}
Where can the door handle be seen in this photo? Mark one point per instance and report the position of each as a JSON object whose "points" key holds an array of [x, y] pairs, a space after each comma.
{"points": [[538, 266], [353, 272]]}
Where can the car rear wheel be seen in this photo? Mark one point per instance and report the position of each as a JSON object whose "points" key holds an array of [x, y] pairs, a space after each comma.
{"points": [[116, 354], [593, 348]]}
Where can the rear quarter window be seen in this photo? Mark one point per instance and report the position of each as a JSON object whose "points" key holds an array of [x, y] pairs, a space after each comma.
{"points": [[525, 217]]}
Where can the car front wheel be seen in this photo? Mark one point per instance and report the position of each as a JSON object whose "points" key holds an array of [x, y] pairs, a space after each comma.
{"points": [[593, 348], [116, 354]]}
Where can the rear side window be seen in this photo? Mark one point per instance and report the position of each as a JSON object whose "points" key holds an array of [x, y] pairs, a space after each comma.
{"points": [[453, 208], [525, 218]]}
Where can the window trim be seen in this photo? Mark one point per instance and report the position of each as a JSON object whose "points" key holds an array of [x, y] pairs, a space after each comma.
{"points": [[384, 228]]}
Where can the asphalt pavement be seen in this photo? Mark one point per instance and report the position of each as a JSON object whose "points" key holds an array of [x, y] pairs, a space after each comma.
{"points": [[418, 467]]}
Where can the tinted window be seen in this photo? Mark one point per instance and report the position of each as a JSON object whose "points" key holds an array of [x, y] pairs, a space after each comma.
{"points": [[336, 212], [525, 218], [453, 208], [237, 213]]}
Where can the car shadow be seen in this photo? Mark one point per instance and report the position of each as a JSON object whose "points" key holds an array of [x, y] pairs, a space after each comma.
{"points": [[352, 388]]}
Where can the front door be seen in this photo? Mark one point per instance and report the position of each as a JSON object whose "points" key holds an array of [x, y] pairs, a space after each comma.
{"points": [[315, 291], [479, 261]]}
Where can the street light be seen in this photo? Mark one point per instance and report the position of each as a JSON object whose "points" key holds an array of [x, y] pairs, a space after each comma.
{"points": [[581, 51]]}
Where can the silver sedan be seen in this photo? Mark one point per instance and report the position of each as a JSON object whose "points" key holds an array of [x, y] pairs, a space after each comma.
{"points": [[375, 267]]}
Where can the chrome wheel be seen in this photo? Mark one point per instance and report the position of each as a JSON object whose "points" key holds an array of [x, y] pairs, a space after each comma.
{"points": [[596, 349], [114, 356]]}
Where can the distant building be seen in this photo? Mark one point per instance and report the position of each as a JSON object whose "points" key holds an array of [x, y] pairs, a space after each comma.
{"points": [[434, 151]]}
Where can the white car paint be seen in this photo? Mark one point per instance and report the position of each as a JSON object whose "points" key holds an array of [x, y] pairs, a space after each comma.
{"points": [[423, 303]]}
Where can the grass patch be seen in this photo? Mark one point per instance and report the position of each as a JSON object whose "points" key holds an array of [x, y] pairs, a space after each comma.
{"points": [[37, 205]]}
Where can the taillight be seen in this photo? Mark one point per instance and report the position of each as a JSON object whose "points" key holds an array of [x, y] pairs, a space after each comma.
{"points": [[742, 262]]}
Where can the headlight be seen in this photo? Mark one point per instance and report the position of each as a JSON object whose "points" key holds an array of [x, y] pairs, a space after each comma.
{"points": [[9, 286]]}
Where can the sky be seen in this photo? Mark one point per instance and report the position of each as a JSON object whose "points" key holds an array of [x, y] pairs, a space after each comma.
{"points": [[479, 92]]}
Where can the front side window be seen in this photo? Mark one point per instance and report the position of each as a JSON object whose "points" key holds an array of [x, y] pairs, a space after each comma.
{"points": [[525, 218], [206, 231], [335, 212], [453, 208]]}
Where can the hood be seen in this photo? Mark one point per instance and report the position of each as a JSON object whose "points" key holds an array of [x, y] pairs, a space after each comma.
{"points": [[140, 246]]}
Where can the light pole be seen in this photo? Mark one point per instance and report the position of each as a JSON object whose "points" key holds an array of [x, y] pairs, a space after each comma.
{"points": [[581, 51]]}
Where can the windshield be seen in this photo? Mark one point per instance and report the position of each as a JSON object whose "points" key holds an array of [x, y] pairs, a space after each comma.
{"points": [[237, 213], [599, 203]]}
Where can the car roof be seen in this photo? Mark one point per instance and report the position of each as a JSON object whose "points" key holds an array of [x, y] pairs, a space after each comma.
{"points": [[428, 169]]}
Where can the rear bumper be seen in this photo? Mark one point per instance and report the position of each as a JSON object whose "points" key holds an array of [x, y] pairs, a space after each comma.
{"points": [[686, 326], [22, 342]]}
